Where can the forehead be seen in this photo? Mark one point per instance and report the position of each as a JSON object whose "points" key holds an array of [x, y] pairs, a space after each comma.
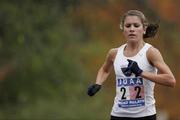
{"points": [[132, 19]]}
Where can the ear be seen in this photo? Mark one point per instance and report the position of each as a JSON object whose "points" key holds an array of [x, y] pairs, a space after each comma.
{"points": [[145, 27], [121, 27], [144, 32]]}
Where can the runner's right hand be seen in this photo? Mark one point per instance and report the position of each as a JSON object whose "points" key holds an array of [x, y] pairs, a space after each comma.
{"points": [[93, 89]]}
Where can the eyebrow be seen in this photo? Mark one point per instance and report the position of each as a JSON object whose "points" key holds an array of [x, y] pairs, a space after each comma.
{"points": [[132, 23]]}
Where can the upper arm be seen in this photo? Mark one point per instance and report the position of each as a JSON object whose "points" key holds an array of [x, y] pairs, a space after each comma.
{"points": [[108, 64], [156, 59]]}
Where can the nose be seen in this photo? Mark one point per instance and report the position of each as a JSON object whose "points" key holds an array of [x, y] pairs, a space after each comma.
{"points": [[131, 28]]}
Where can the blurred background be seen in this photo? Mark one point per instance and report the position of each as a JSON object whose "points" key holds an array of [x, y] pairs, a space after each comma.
{"points": [[51, 50]]}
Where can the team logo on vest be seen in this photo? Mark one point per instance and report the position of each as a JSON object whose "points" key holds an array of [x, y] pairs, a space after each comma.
{"points": [[129, 81]]}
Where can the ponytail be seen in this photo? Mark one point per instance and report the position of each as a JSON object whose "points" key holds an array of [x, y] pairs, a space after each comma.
{"points": [[151, 30]]}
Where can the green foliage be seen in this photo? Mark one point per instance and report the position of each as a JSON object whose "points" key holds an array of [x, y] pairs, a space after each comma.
{"points": [[42, 44]]}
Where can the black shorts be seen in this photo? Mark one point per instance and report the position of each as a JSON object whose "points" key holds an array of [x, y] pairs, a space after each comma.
{"points": [[152, 117]]}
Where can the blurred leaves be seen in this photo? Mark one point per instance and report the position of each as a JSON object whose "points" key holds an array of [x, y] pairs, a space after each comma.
{"points": [[42, 46]]}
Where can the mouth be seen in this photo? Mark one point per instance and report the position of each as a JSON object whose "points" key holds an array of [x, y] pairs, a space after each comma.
{"points": [[131, 35]]}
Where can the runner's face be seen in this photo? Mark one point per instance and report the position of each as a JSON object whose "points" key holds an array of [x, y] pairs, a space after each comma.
{"points": [[133, 28]]}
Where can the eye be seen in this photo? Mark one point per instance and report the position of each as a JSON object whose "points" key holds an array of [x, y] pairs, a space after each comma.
{"points": [[128, 25], [136, 25]]}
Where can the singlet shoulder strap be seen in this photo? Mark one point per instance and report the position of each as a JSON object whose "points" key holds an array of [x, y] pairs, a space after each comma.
{"points": [[145, 48], [120, 49]]}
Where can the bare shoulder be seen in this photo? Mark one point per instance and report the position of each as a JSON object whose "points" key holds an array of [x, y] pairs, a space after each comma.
{"points": [[112, 53], [153, 52], [154, 55]]}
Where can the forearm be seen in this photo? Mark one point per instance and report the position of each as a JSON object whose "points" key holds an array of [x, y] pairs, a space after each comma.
{"points": [[163, 79], [102, 76]]}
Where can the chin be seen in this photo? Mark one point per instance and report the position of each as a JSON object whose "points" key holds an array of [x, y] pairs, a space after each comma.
{"points": [[133, 40]]}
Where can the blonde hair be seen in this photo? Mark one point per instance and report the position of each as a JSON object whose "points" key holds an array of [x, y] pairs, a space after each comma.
{"points": [[134, 13]]}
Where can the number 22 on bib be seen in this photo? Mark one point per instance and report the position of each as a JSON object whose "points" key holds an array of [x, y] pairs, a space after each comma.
{"points": [[130, 92]]}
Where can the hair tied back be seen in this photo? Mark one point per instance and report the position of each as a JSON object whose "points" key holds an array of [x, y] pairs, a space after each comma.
{"points": [[151, 30]]}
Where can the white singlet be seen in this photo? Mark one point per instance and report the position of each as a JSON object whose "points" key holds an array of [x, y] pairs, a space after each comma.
{"points": [[134, 95]]}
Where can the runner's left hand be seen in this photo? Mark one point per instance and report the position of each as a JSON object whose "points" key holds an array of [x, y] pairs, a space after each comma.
{"points": [[133, 66]]}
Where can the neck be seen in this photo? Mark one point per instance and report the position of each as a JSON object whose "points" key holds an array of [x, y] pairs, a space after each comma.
{"points": [[135, 45]]}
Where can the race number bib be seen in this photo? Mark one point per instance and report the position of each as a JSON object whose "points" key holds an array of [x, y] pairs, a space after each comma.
{"points": [[130, 92]]}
